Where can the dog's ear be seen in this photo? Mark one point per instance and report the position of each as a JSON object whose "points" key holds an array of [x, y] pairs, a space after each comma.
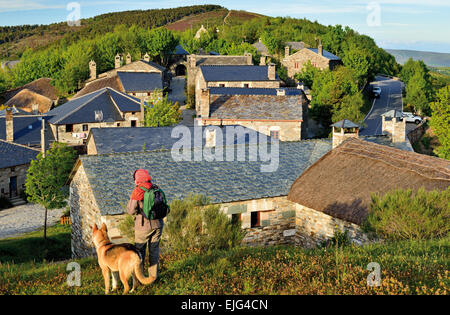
{"points": [[94, 228], [104, 227]]}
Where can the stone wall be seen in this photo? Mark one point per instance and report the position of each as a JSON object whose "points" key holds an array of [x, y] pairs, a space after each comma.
{"points": [[295, 63], [84, 212], [68, 137], [314, 227], [288, 130], [5, 175]]}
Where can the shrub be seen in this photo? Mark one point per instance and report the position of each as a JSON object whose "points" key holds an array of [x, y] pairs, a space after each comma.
{"points": [[194, 223], [406, 215]]}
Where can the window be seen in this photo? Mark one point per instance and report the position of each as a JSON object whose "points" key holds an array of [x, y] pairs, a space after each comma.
{"points": [[69, 128], [275, 134], [246, 85], [255, 220], [85, 127], [296, 65], [221, 85], [236, 218], [148, 93], [133, 123], [118, 124]]}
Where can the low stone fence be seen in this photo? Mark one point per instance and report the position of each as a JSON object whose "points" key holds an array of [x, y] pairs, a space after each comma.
{"points": [[417, 133]]}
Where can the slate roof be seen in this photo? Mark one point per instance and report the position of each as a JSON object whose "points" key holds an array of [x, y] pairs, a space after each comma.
{"points": [[140, 81], [179, 50], [205, 60], [345, 123], [296, 45], [235, 73], [12, 154], [393, 113], [116, 140], [95, 85], [261, 107], [252, 91], [82, 109], [15, 110], [27, 130], [326, 54], [261, 48], [222, 181]]}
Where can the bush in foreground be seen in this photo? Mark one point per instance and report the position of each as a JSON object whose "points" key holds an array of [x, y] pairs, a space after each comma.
{"points": [[403, 214]]}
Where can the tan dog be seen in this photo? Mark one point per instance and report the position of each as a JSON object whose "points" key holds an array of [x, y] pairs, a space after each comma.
{"points": [[123, 259]]}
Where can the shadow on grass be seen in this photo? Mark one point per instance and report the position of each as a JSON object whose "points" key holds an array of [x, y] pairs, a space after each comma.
{"points": [[33, 247]]}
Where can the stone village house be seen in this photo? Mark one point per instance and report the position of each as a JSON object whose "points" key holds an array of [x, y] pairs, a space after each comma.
{"points": [[275, 112], [318, 57], [273, 208], [240, 76], [71, 122], [137, 78], [195, 61]]}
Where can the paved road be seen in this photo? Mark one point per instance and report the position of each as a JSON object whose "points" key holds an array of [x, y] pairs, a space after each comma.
{"points": [[391, 98]]}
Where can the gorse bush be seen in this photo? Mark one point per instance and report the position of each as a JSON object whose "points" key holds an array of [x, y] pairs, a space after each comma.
{"points": [[407, 215], [194, 223]]}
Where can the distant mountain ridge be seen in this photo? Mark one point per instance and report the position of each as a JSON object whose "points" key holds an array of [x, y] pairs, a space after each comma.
{"points": [[432, 59]]}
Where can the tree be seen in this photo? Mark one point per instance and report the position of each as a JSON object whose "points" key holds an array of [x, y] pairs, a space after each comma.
{"points": [[161, 112], [161, 42], [440, 121], [47, 176], [418, 93]]}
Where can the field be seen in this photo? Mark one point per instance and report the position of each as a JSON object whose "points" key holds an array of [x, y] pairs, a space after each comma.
{"points": [[29, 266], [218, 17]]}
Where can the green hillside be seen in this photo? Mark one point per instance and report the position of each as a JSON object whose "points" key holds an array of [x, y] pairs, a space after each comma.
{"points": [[15, 39], [431, 59]]}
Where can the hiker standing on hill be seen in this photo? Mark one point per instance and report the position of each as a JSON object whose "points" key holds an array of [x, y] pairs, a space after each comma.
{"points": [[147, 231]]}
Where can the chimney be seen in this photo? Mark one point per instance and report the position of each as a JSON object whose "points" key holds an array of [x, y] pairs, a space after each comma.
{"points": [[262, 61], [147, 57], [35, 109], [192, 61], [320, 50], [204, 103], [117, 61], [210, 135], [128, 59], [287, 51], [271, 73], [342, 130], [281, 92], [43, 138], [9, 124], [93, 70], [142, 111], [249, 59], [395, 127]]}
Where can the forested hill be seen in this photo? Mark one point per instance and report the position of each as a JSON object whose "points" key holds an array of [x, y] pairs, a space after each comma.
{"points": [[432, 59], [15, 39]]}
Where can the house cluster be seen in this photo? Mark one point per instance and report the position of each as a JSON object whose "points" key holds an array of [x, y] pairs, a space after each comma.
{"points": [[319, 186]]}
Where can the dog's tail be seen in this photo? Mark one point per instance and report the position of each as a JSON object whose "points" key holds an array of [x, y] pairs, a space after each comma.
{"points": [[140, 275]]}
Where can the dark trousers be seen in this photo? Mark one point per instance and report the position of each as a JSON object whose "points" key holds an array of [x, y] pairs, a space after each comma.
{"points": [[152, 239]]}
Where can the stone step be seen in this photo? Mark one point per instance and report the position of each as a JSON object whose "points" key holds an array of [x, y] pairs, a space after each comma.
{"points": [[17, 201]]}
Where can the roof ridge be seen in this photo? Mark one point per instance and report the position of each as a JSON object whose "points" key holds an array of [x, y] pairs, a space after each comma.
{"points": [[82, 105], [19, 145], [123, 94]]}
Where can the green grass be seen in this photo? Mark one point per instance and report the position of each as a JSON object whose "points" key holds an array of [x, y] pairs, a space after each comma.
{"points": [[407, 267]]}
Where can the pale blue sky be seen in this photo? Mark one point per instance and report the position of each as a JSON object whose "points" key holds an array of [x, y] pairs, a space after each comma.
{"points": [[401, 24]]}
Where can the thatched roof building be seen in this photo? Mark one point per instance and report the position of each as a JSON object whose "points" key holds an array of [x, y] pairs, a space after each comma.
{"points": [[340, 184]]}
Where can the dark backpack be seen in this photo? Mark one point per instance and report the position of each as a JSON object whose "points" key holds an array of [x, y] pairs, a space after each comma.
{"points": [[154, 203]]}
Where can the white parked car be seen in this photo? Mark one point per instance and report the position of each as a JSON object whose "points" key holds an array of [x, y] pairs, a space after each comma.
{"points": [[376, 91], [410, 117]]}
